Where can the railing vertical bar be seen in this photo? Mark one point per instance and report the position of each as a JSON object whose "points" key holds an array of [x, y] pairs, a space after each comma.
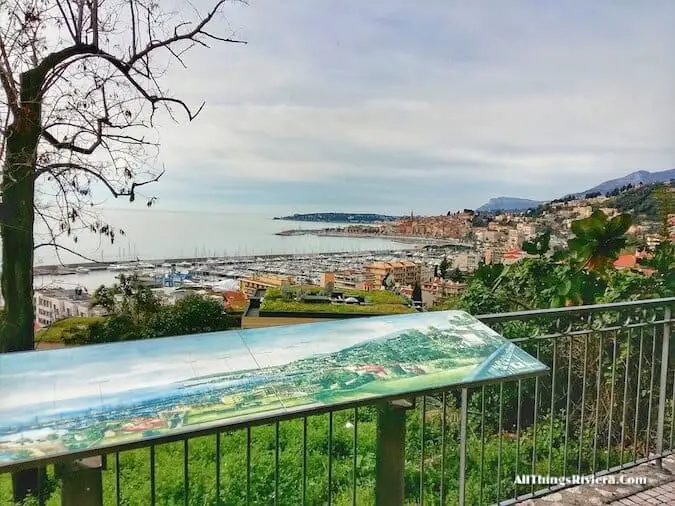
{"points": [[583, 403], [482, 444], [422, 437], [663, 381], [534, 422], [550, 430], [520, 402], [186, 473], [651, 393], [567, 404], [40, 484], [153, 486], [625, 394], [499, 447], [248, 465], [330, 458], [462, 447], [276, 463], [598, 383], [638, 394], [218, 467], [304, 460], [672, 415], [118, 491], [443, 422], [611, 404], [355, 455]]}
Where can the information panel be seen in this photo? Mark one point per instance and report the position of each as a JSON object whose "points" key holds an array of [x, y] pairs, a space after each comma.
{"points": [[79, 399]]}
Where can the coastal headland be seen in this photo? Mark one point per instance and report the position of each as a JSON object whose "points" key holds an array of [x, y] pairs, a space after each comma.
{"points": [[404, 239]]}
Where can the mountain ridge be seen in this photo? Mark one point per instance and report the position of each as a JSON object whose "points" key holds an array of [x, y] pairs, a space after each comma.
{"points": [[634, 178]]}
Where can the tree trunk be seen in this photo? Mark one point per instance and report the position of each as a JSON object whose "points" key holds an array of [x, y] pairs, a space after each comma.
{"points": [[16, 231]]}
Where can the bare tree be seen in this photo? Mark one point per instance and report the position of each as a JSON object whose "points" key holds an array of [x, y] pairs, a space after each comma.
{"points": [[80, 84]]}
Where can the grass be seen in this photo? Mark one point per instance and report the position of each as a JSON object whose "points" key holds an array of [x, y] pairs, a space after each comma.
{"points": [[62, 331], [379, 302]]}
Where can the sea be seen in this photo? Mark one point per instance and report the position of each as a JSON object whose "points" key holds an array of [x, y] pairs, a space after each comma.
{"points": [[156, 235]]}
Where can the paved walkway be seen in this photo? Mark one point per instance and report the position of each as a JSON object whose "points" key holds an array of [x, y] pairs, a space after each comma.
{"points": [[665, 494], [659, 489]]}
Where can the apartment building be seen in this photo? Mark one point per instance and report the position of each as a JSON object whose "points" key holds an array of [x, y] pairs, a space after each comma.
{"points": [[438, 288], [529, 230], [515, 238], [347, 280], [494, 254], [402, 272], [466, 262], [263, 281], [56, 304]]}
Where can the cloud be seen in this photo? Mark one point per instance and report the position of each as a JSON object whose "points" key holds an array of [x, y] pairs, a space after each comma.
{"points": [[383, 104]]}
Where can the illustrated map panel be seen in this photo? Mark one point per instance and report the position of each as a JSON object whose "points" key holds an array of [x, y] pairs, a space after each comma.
{"points": [[65, 401]]}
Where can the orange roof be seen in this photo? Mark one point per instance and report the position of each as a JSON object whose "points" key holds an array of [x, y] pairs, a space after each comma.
{"points": [[235, 299], [625, 261]]}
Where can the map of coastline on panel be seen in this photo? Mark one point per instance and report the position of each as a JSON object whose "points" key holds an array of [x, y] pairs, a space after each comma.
{"points": [[62, 401]]}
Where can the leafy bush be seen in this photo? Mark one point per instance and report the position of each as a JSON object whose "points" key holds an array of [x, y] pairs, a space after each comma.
{"points": [[378, 302], [68, 331]]}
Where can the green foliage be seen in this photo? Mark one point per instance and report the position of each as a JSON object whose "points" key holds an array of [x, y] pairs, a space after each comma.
{"points": [[640, 201], [598, 240], [443, 267], [379, 302], [129, 296], [191, 315], [68, 330], [539, 246], [456, 275]]}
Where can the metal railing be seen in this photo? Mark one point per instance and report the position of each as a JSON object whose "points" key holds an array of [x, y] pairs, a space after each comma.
{"points": [[607, 404]]}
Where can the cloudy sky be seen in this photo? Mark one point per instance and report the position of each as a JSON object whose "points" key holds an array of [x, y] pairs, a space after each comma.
{"points": [[392, 105]]}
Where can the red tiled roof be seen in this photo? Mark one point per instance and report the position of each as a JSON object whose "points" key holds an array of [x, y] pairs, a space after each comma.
{"points": [[234, 299], [625, 261]]}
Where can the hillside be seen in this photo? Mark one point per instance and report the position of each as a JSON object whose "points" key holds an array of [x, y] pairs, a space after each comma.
{"points": [[634, 178], [508, 204], [637, 201], [339, 217]]}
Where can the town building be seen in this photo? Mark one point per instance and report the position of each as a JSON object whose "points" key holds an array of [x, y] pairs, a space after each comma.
{"points": [[653, 240], [436, 289], [625, 262], [582, 212], [515, 239], [348, 280], [263, 281], [513, 255], [402, 272], [466, 262], [56, 304], [494, 254]]}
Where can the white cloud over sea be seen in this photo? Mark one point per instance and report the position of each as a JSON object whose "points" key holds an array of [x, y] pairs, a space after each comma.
{"points": [[390, 105]]}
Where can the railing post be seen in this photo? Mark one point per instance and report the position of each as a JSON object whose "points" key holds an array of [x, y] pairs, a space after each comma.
{"points": [[663, 385], [81, 482], [390, 459], [462, 445]]}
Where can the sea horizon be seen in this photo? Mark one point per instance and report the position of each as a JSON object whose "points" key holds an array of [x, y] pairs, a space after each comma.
{"points": [[157, 235]]}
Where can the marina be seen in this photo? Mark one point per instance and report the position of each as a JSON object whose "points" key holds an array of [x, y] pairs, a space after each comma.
{"points": [[212, 272]]}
